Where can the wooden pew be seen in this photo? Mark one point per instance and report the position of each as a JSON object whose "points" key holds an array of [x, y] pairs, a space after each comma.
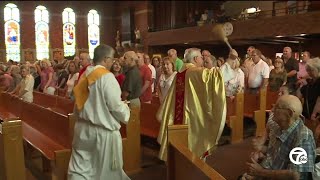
{"points": [[149, 125], [182, 163], [260, 115], [59, 104], [129, 133], [255, 108], [11, 150], [272, 98], [44, 130], [235, 117]]}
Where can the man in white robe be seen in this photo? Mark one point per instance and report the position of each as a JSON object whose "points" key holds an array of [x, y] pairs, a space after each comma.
{"points": [[97, 144]]}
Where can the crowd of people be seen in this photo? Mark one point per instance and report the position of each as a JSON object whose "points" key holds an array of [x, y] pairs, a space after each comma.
{"points": [[140, 77]]}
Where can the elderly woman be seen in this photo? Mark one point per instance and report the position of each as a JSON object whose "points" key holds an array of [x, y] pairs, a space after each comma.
{"points": [[278, 75], [310, 92], [166, 78], [25, 88], [46, 74]]}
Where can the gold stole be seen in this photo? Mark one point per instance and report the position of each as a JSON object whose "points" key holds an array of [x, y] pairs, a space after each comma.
{"points": [[81, 91]]}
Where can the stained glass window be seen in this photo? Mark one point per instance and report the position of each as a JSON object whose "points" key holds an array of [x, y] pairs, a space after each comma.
{"points": [[41, 17], [69, 34], [93, 31], [12, 31]]}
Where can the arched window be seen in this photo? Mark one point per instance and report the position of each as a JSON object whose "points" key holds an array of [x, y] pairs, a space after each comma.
{"points": [[93, 31], [12, 32], [41, 17], [69, 32]]}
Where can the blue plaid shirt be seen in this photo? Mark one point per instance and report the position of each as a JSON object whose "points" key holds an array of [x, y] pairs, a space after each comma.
{"points": [[282, 142]]}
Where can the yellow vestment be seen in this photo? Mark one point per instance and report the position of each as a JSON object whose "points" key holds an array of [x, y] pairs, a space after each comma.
{"points": [[81, 91], [204, 110]]}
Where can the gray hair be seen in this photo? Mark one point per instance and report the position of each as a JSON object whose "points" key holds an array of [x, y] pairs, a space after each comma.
{"points": [[191, 54], [290, 102], [314, 64], [101, 52], [213, 59]]}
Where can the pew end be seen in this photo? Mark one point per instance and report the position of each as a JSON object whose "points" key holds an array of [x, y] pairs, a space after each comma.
{"points": [[178, 133], [183, 164], [236, 120], [131, 144], [12, 165], [61, 164]]}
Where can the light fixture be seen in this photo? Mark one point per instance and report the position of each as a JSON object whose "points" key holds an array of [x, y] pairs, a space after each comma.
{"points": [[251, 10], [279, 36], [303, 34], [186, 43]]}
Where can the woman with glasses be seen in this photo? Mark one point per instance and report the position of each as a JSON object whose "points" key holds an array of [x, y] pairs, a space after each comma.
{"points": [[278, 76]]}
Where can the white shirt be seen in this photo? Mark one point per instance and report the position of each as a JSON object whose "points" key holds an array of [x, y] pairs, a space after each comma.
{"points": [[27, 84], [236, 83], [153, 75], [258, 72], [165, 85], [104, 106], [71, 81], [227, 72]]}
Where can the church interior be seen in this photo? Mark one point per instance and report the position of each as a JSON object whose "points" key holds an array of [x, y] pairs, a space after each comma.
{"points": [[52, 40]]}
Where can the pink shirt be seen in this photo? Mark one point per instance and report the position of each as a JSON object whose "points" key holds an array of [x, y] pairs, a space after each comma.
{"points": [[302, 70], [45, 77]]}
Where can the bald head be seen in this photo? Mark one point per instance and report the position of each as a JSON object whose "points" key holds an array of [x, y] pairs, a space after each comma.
{"points": [[130, 58], [290, 102]]}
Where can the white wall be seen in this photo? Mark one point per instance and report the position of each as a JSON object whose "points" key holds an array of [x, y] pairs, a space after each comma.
{"points": [[234, 8]]}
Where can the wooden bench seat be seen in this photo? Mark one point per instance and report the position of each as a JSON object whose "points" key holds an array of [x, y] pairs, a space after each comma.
{"points": [[235, 117]]}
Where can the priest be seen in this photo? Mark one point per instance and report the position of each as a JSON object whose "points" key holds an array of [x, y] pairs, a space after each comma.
{"points": [[197, 98]]}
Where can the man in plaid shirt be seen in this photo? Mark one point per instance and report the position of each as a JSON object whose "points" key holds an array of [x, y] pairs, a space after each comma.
{"points": [[287, 131]]}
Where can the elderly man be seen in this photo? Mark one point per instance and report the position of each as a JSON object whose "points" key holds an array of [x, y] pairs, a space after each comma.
{"points": [[131, 88], [178, 63], [85, 61], [192, 85], [259, 74], [97, 143], [210, 62], [288, 132], [24, 89], [292, 67]]}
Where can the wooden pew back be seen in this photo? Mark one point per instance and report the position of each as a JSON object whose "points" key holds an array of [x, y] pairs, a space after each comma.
{"points": [[149, 125], [11, 151], [251, 104], [182, 163], [50, 123], [272, 98]]}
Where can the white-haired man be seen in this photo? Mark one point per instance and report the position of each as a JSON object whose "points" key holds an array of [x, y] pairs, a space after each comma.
{"points": [[194, 84], [288, 132]]}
